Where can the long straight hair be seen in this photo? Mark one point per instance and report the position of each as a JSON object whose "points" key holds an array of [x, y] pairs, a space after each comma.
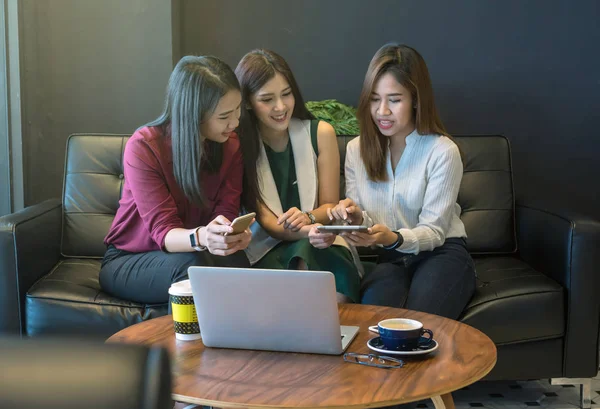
{"points": [[254, 70], [195, 87], [409, 69]]}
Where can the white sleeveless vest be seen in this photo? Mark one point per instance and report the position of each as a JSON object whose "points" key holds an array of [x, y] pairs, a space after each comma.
{"points": [[306, 174]]}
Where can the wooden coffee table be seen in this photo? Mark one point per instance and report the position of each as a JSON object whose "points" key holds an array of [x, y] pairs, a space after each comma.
{"points": [[231, 378]]}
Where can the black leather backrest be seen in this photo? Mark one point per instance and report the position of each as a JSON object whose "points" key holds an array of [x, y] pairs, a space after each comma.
{"points": [[486, 193], [342, 143], [94, 180], [91, 192]]}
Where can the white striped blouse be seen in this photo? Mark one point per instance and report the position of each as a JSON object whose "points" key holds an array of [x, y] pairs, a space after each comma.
{"points": [[419, 198]]}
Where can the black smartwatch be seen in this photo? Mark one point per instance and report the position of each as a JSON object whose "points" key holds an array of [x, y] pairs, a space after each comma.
{"points": [[395, 244], [195, 240]]}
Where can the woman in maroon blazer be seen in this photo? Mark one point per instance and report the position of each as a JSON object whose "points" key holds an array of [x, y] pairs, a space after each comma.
{"points": [[183, 182]]}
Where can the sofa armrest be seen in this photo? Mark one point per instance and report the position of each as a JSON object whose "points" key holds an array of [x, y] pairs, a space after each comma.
{"points": [[565, 247], [29, 248]]}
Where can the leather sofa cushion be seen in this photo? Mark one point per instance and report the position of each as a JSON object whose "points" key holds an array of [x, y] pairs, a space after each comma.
{"points": [[486, 194], [92, 189], [69, 301], [515, 303]]}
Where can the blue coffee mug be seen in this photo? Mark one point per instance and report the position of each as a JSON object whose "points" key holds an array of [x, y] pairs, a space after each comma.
{"points": [[403, 334]]}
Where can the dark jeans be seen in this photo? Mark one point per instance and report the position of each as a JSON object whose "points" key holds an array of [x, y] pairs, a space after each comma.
{"points": [[146, 277], [441, 281]]}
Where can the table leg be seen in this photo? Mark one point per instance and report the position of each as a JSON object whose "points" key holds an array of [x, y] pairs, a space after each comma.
{"points": [[443, 401]]}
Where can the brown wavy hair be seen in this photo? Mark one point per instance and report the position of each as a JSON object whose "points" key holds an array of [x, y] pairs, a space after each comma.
{"points": [[254, 70], [409, 69]]}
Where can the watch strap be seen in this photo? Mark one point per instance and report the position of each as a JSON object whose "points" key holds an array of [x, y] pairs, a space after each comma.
{"points": [[195, 240], [395, 244]]}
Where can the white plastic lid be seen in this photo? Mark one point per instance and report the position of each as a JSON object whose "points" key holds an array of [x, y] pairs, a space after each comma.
{"points": [[182, 288]]}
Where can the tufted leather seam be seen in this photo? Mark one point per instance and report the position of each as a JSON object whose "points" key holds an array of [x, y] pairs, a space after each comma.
{"points": [[510, 278], [570, 267], [94, 303], [492, 253], [486, 170], [514, 201], [550, 213], [60, 262], [90, 213], [82, 257], [469, 307], [93, 173], [546, 338], [509, 269], [486, 210], [62, 196]]}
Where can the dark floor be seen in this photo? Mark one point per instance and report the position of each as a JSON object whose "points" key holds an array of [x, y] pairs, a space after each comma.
{"points": [[520, 395], [511, 395]]}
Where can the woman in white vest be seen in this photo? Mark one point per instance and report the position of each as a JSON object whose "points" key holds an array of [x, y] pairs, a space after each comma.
{"points": [[292, 169]]}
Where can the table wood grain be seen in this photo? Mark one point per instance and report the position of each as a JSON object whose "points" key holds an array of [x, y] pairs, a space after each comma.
{"points": [[231, 378]]}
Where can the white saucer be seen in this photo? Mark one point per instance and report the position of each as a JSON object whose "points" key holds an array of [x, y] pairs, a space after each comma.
{"points": [[382, 350]]}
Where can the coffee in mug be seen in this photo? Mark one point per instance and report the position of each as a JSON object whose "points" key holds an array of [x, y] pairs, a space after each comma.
{"points": [[403, 334], [400, 325], [185, 319]]}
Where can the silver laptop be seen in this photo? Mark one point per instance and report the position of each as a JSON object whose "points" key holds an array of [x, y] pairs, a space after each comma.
{"points": [[275, 310]]}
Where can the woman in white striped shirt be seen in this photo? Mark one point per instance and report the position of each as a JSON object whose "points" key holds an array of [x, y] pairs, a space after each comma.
{"points": [[402, 179]]}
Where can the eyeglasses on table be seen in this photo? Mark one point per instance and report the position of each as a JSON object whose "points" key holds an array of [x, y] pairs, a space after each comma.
{"points": [[378, 361]]}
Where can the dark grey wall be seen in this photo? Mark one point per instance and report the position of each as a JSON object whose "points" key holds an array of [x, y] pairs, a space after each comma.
{"points": [[5, 199], [527, 70], [87, 66]]}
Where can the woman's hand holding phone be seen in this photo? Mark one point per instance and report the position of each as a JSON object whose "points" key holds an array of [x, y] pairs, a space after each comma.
{"points": [[320, 240], [378, 234], [219, 238], [241, 223], [346, 210]]}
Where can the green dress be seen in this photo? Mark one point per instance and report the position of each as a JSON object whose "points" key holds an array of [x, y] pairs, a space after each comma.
{"points": [[335, 259]]}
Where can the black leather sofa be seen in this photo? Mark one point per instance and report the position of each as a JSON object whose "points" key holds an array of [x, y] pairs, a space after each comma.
{"points": [[68, 374], [538, 271]]}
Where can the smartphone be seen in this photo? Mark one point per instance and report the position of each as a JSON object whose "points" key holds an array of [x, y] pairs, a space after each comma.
{"points": [[339, 229], [241, 223]]}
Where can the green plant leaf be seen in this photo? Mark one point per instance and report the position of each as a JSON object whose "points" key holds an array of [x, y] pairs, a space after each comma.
{"points": [[341, 116]]}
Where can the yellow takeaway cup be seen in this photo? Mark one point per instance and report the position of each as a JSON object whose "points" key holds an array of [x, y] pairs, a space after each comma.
{"points": [[185, 319]]}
